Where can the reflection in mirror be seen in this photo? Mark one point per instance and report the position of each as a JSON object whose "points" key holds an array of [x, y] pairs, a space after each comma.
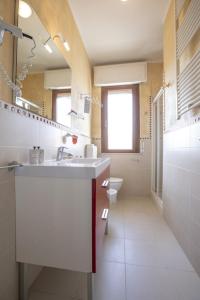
{"points": [[62, 106], [42, 73]]}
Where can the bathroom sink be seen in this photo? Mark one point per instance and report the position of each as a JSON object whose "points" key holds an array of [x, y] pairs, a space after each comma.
{"points": [[85, 161], [69, 168]]}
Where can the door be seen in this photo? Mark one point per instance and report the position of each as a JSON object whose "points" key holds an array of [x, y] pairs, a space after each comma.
{"points": [[157, 173]]}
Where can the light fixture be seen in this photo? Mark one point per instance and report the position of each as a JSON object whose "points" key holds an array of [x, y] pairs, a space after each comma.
{"points": [[65, 43], [25, 10], [47, 47], [124, 0]]}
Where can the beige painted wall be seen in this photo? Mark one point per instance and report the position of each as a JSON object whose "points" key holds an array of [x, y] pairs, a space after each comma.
{"points": [[170, 71], [7, 9], [33, 89], [96, 113], [147, 90]]}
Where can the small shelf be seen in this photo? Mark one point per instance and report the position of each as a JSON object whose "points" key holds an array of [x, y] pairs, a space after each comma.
{"points": [[76, 115]]}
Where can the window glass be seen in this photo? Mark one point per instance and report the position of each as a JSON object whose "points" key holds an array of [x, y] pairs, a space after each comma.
{"points": [[120, 120], [63, 107]]}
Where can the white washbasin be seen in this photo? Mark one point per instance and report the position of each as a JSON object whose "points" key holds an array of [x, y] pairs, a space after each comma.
{"points": [[84, 161], [69, 168]]}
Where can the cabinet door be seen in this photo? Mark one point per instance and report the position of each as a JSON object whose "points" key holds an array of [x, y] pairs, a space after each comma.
{"points": [[100, 206]]}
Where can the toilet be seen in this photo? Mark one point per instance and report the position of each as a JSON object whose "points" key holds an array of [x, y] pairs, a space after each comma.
{"points": [[115, 183], [114, 186]]}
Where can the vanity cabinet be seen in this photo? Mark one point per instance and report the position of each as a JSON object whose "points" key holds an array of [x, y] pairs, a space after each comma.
{"points": [[61, 216], [100, 209]]}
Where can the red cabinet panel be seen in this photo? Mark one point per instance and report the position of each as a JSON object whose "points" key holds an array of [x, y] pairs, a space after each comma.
{"points": [[99, 204]]}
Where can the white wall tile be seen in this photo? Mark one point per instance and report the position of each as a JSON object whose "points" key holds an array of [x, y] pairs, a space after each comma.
{"points": [[135, 169], [181, 188]]}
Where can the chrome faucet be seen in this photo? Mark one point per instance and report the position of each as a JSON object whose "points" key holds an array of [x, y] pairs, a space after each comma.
{"points": [[61, 154]]}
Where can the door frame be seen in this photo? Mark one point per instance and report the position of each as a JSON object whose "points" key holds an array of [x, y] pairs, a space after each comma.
{"points": [[157, 148]]}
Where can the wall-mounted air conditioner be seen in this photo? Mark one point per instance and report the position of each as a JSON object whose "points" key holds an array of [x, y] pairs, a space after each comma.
{"points": [[57, 79], [120, 74]]}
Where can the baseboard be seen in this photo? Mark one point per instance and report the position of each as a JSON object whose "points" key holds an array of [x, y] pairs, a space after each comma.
{"points": [[158, 201]]}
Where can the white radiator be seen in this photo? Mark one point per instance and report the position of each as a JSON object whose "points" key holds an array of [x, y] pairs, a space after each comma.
{"points": [[188, 80], [189, 85], [189, 26]]}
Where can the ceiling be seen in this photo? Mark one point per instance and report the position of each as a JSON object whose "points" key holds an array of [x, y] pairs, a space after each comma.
{"points": [[43, 60], [114, 31]]}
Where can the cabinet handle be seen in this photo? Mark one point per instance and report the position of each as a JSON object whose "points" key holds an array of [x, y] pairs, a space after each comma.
{"points": [[105, 183], [105, 214]]}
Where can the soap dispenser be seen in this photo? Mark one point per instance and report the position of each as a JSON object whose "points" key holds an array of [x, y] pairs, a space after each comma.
{"points": [[41, 158], [34, 156]]}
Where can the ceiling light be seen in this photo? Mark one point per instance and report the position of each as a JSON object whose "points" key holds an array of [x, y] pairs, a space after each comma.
{"points": [[65, 43], [25, 10], [124, 0], [47, 47]]}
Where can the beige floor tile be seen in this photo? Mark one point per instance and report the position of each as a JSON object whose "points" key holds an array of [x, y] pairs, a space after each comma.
{"points": [[113, 250], [118, 206], [158, 255], [116, 226], [147, 284], [154, 231], [149, 213], [109, 283], [135, 213], [143, 232], [155, 266], [144, 283]]}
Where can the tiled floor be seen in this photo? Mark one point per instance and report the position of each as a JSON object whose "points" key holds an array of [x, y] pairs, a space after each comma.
{"points": [[141, 261]]}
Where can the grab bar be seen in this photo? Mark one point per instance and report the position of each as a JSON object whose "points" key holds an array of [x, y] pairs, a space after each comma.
{"points": [[11, 166]]}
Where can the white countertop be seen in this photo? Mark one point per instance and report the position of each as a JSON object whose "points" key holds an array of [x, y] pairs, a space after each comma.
{"points": [[73, 168]]}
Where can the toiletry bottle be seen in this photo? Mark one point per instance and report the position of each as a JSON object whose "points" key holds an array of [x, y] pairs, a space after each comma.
{"points": [[34, 156], [41, 160]]}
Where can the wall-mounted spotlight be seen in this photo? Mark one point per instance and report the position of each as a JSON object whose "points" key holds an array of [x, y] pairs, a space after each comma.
{"points": [[65, 43], [25, 10], [47, 47]]}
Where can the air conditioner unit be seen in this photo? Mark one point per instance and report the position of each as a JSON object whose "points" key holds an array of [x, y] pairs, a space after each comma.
{"points": [[120, 74], [57, 79]]}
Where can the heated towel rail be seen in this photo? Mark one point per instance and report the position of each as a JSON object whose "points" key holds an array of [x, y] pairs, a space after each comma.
{"points": [[188, 79]]}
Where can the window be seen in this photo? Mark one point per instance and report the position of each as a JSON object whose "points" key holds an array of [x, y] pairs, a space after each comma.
{"points": [[62, 106], [120, 119]]}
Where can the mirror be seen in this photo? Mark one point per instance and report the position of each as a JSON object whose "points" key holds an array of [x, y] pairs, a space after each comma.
{"points": [[42, 72]]}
